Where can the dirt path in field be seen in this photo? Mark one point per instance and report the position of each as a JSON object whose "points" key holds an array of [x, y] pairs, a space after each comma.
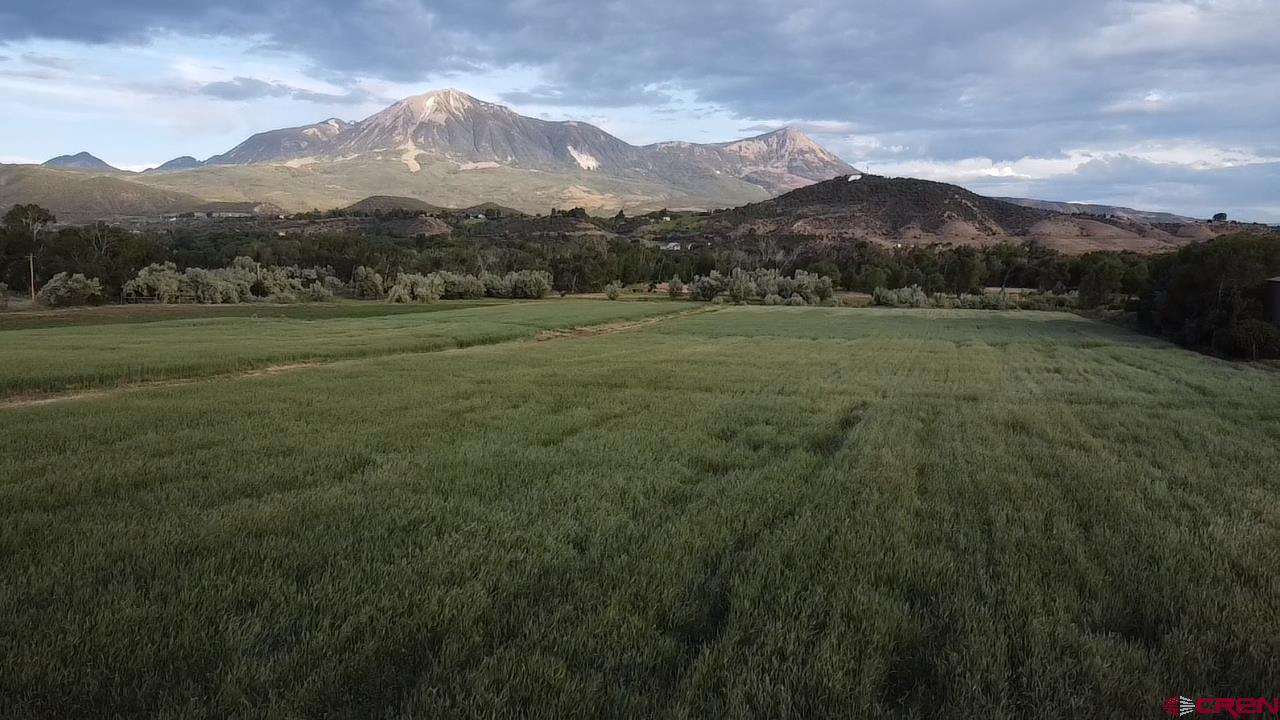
{"points": [[617, 327], [21, 401]]}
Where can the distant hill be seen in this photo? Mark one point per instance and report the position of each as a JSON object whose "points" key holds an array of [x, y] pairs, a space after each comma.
{"points": [[80, 161], [906, 211], [1072, 208], [186, 162], [490, 208], [385, 203], [77, 197]]}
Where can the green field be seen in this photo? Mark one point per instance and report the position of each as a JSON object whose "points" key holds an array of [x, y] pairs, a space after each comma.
{"points": [[747, 512], [59, 358]]}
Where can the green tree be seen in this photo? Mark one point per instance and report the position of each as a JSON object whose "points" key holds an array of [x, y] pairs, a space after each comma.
{"points": [[963, 271], [1103, 278], [874, 277], [1004, 262], [29, 221]]}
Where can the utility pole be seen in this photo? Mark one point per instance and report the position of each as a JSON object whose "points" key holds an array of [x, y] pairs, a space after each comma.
{"points": [[31, 263]]}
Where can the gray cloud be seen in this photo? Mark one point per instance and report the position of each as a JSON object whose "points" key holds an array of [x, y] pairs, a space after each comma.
{"points": [[935, 80], [243, 88], [1245, 191], [993, 68], [589, 97], [51, 62]]}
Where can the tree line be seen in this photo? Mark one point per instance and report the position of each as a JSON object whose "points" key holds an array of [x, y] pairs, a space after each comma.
{"points": [[1205, 295]]}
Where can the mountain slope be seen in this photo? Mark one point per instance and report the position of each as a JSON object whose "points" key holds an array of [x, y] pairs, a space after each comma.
{"points": [[448, 133], [283, 144], [186, 162], [76, 196], [80, 161], [905, 211], [1072, 208]]}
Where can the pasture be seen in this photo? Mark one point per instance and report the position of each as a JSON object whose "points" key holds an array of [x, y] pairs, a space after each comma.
{"points": [[742, 512]]}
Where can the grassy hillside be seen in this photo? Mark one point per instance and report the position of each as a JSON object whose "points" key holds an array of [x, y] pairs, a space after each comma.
{"points": [[754, 512], [445, 184], [75, 195]]}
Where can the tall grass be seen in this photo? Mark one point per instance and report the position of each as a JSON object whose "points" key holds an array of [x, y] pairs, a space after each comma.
{"points": [[761, 512], [60, 358]]}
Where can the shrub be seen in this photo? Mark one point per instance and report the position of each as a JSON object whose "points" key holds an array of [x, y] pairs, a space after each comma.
{"points": [[814, 289], [773, 299], [334, 285], [367, 283], [740, 286], [414, 288], [768, 282], [613, 290], [64, 290], [317, 292], [675, 288], [457, 286], [1249, 339], [4, 296], [160, 281], [796, 300], [533, 284], [706, 287], [911, 297], [499, 286]]}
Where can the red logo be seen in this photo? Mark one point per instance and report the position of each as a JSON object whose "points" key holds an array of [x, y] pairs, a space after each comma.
{"points": [[1236, 707]]}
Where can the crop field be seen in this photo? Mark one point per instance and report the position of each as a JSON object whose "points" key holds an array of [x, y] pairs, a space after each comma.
{"points": [[696, 512], [48, 359]]}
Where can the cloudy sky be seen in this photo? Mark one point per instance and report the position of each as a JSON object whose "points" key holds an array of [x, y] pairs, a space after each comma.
{"points": [[1159, 104]]}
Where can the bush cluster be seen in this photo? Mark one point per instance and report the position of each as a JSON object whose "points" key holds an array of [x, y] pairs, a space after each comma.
{"points": [[64, 290], [4, 296], [914, 296], [1250, 339], [244, 281], [675, 288], [417, 288], [769, 286], [367, 283], [613, 290]]}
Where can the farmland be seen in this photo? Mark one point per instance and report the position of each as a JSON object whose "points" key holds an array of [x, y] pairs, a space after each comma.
{"points": [[733, 512]]}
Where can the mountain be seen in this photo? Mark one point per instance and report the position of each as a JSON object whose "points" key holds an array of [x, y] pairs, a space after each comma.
{"points": [[186, 162], [450, 149], [75, 196], [906, 211], [80, 161], [778, 161], [281, 145], [1072, 208], [451, 126]]}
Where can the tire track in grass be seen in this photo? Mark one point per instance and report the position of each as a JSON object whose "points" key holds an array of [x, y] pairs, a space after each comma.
{"points": [[610, 328]]}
